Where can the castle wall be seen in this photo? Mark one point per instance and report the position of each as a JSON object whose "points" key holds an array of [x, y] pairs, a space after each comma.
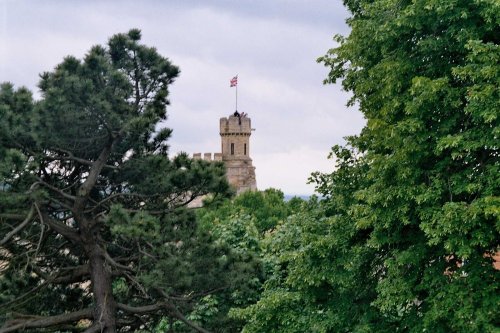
{"points": [[241, 175], [208, 156]]}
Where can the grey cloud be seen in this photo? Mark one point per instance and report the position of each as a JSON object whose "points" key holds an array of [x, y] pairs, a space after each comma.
{"points": [[272, 45]]}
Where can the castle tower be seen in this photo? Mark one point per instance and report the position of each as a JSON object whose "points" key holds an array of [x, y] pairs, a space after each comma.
{"points": [[235, 134]]}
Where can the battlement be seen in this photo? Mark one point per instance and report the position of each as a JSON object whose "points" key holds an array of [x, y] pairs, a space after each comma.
{"points": [[234, 125], [208, 156]]}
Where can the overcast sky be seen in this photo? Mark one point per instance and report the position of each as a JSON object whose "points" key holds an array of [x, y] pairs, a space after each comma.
{"points": [[271, 44]]}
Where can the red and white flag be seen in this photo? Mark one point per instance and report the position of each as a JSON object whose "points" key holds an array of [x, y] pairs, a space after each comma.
{"points": [[234, 81]]}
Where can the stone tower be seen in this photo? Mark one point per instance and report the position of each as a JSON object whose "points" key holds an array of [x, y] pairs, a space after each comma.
{"points": [[235, 132]]}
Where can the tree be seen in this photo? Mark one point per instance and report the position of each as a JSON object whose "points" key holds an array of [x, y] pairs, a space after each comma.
{"points": [[95, 234], [242, 225], [267, 208], [407, 244], [426, 77], [320, 277]]}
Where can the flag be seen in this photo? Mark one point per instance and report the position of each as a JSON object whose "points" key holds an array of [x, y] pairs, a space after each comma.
{"points": [[234, 81]]}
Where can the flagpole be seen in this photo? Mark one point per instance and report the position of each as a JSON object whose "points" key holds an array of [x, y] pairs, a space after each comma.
{"points": [[236, 96]]}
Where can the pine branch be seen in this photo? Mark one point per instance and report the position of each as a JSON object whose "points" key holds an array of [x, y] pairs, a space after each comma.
{"points": [[186, 321], [74, 274], [20, 227], [57, 190], [155, 307], [94, 172], [44, 322], [61, 228], [71, 157], [114, 263], [145, 309], [12, 216], [117, 195]]}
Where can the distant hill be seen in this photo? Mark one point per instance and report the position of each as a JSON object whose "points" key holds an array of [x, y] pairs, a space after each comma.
{"points": [[302, 196]]}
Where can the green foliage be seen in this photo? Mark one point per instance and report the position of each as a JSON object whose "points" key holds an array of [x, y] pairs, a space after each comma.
{"points": [[242, 224], [320, 275], [267, 207], [93, 210], [404, 239]]}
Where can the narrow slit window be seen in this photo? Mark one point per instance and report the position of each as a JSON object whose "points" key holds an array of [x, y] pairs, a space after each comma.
{"points": [[232, 148], [245, 149]]}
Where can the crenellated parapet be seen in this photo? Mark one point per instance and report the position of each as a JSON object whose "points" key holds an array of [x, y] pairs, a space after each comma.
{"points": [[208, 156], [235, 126]]}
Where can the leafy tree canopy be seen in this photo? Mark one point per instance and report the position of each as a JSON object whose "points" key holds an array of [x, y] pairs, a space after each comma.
{"points": [[268, 208], [405, 238], [244, 224]]}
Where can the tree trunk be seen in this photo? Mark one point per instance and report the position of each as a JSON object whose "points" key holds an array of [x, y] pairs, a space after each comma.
{"points": [[104, 302], [100, 277], [100, 271]]}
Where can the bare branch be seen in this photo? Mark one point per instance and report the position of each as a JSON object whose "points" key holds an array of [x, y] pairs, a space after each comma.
{"points": [[95, 170], [138, 285], [60, 203], [43, 322], [61, 228], [140, 309], [12, 216], [114, 263], [57, 190], [42, 225], [20, 227], [75, 274], [71, 157]]}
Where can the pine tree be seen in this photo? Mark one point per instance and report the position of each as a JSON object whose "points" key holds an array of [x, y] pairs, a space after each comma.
{"points": [[95, 231]]}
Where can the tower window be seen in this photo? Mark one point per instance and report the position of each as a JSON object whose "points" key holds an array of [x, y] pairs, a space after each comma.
{"points": [[232, 148], [245, 149]]}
